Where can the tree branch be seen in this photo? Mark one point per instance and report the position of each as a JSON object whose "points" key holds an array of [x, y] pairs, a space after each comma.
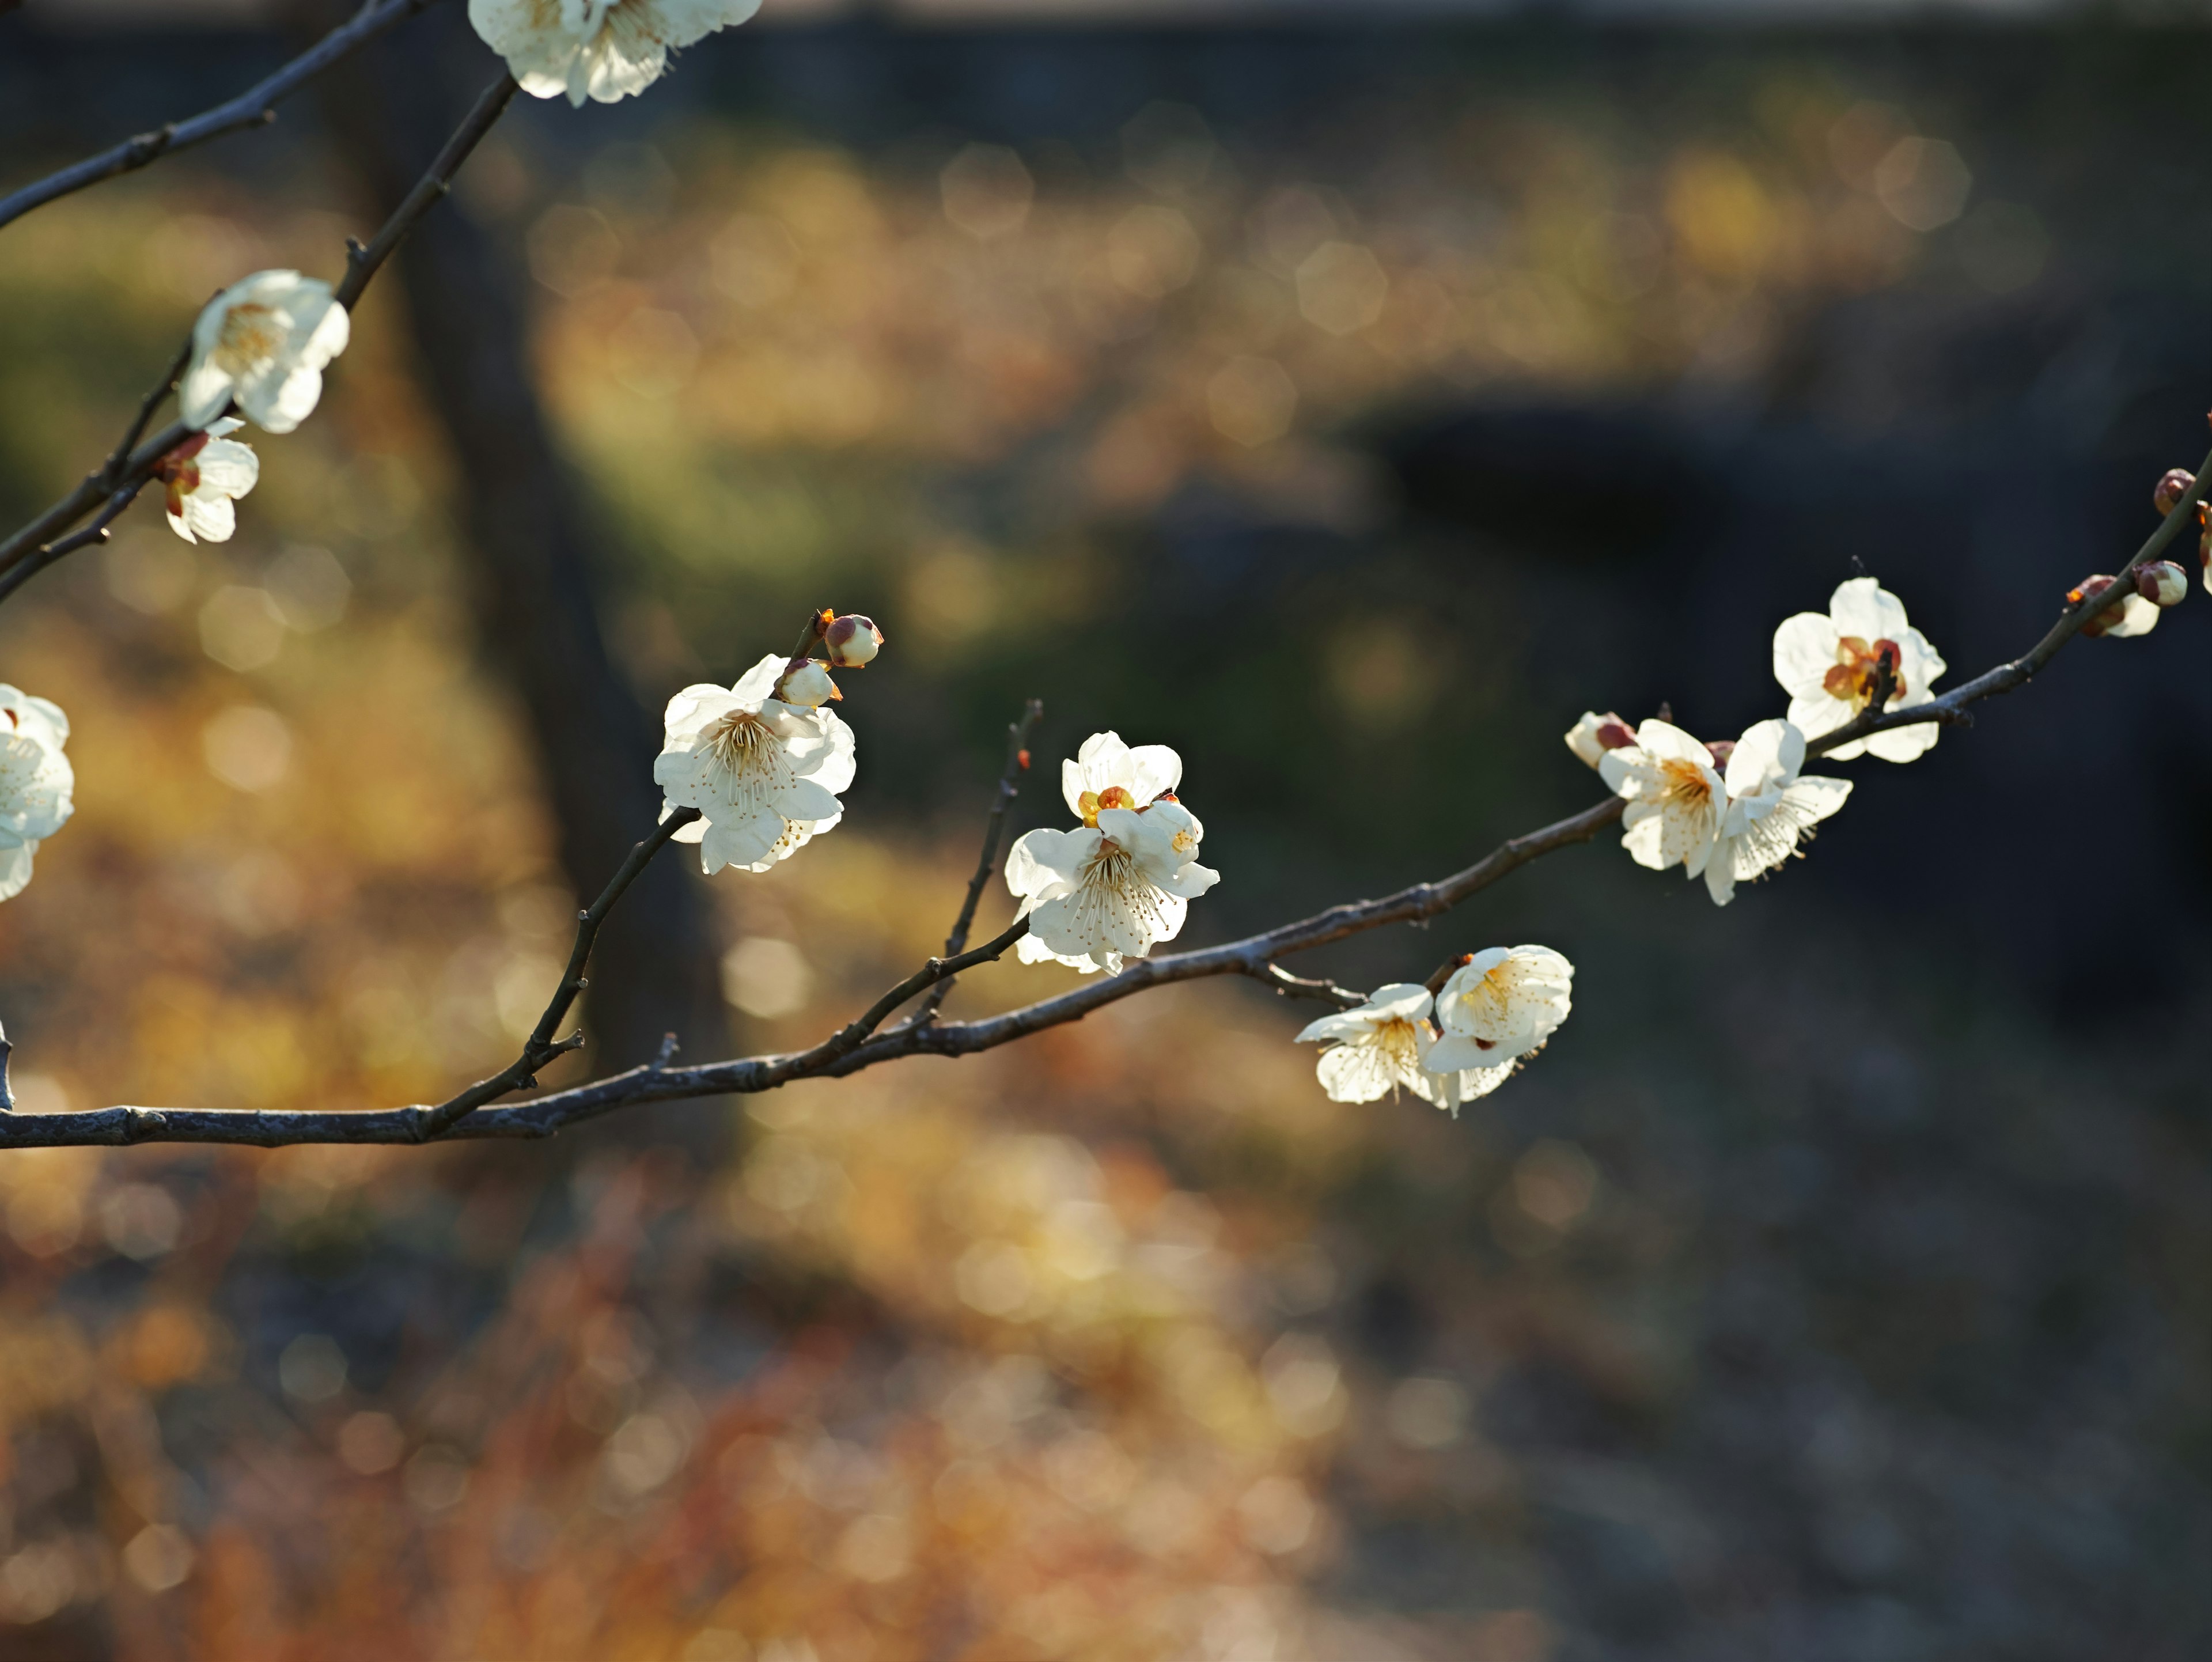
{"points": [[541, 1047], [254, 107], [128, 469], [860, 1045], [995, 824]]}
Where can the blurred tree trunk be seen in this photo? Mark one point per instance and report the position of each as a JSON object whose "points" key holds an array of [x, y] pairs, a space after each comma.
{"points": [[529, 535]]}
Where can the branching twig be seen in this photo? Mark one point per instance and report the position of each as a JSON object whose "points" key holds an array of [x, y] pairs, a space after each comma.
{"points": [[128, 468], [541, 1047], [362, 260], [255, 107], [994, 826], [1297, 986], [859, 1045], [1951, 708]]}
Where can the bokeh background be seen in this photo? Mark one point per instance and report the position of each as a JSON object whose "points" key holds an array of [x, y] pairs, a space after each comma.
{"points": [[1348, 397]]}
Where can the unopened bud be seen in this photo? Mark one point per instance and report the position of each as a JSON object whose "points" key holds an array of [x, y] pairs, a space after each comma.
{"points": [[1722, 749], [2133, 615], [806, 681], [2161, 582], [853, 640], [2177, 484], [1595, 735]]}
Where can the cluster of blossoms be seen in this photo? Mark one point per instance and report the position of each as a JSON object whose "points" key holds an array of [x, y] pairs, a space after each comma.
{"points": [[1123, 879], [261, 345], [1492, 1015], [763, 761]]}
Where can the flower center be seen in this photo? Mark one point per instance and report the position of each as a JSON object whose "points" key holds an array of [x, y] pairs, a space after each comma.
{"points": [[1092, 801], [1858, 667], [738, 739], [1685, 784], [250, 335], [1397, 1039]]}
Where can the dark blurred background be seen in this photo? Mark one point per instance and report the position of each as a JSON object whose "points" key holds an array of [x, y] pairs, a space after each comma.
{"points": [[1350, 399]]}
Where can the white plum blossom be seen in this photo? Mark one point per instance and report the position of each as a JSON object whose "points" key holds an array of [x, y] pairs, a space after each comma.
{"points": [[36, 782], [763, 773], [600, 49], [204, 476], [1110, 889], [1497, 1010], [1676, 797], [1379, 1048], [1770, 809], [1828, 666], [262, 341]]}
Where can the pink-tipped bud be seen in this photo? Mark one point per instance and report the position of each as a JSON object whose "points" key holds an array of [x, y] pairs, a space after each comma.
{"points": [[1595, 735], [1722, 749], [2177, 483], [2161, 582], [806, 681], [2088, 589], [852, 641]]}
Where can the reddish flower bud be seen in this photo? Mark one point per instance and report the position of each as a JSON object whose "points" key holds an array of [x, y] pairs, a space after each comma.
{"points": [[2161, 582], [806, 681], [852, 641], [2176, 484]]}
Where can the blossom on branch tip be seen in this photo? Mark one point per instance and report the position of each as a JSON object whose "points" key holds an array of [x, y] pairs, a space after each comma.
{"points": [[763, 773], [36, 783], [1119, 882], [1770, 807], [1595, 735], [852, 641], [1675, 793], [204, 476], [1832, 666], [262, 341], [599, 49]]}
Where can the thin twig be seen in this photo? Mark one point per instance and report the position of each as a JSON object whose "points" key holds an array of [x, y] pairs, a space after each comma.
{"points": [[541, 1047], [362, 260], [994, 826], [15, 576], [1287, 985], [129, 468], [254, 107], [859, 1045]]}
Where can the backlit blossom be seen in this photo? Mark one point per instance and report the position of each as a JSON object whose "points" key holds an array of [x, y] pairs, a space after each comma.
{"points": [[202, 476], [600, 49], [1770, 807], [1676, 797], [764, 774], [1502, 1004], [262, 341], [1378, 1048], [36, 782], [1121, 881], [1829, 666], [1595, 735]]}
